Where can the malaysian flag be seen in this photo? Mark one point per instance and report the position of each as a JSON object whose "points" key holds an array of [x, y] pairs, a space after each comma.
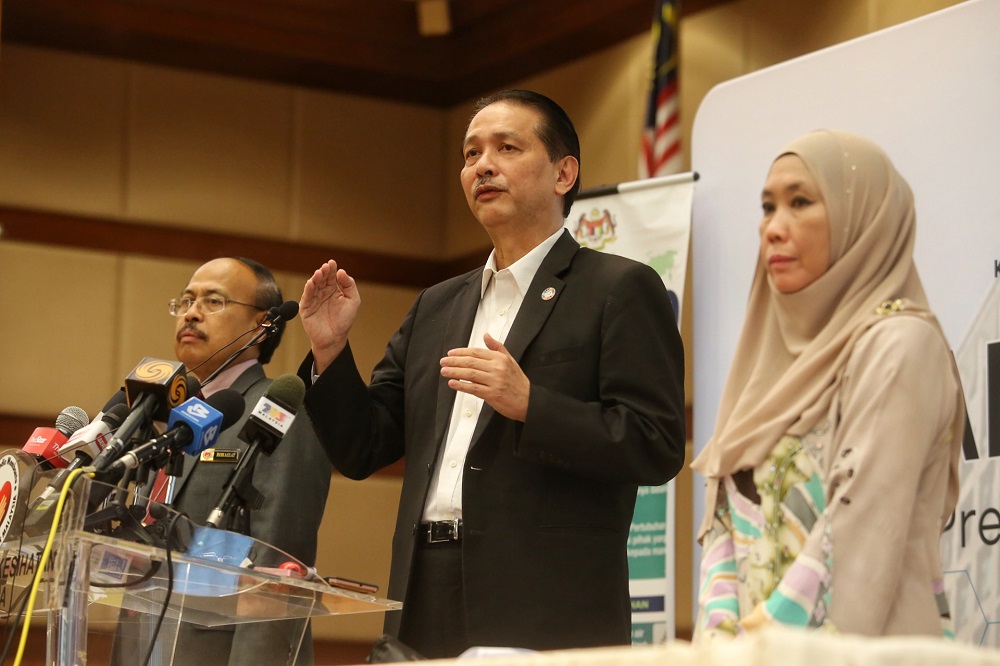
{"points": [[661, 137]]}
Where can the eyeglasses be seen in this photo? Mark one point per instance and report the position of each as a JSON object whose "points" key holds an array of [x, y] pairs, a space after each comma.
{"points": [[179, 307]]}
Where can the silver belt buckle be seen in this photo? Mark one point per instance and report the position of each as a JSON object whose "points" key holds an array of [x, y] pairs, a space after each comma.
{"points": [[443, 531]]}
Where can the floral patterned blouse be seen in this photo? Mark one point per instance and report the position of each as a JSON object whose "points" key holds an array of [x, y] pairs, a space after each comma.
{"points": [[839, 529]]}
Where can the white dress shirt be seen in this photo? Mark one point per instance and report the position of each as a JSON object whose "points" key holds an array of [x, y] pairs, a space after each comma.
{"points": [[501, 298]]}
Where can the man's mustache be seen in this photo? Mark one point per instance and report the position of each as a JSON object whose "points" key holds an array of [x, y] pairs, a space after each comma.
{"points": [[487, 182], [193, 329]]}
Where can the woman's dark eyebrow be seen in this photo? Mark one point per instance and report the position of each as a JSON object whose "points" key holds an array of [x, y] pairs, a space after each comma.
{"points": [[797, 185]]}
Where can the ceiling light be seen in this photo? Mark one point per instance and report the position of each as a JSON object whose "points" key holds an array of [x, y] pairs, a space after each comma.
{"points": [[433, 18]]}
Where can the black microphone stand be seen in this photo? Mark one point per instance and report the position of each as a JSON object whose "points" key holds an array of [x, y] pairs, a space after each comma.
{"points": [[117, 509], [240, 494], [129, 518]]}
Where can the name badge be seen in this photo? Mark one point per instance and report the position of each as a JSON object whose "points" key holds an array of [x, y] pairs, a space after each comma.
{"points": [[220, 456]]}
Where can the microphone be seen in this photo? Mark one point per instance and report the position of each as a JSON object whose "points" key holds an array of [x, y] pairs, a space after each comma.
{"points": [[267, 424], [71, 419], [193, 427], [117, 399], [91, 439], [44, 443], [85, 443], [268, 327], [284, 312], [152, 389], [154, 380]]}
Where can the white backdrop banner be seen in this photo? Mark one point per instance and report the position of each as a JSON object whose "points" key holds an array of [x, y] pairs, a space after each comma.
{"points": [[648, 221], [970, 543], [927, 92]]}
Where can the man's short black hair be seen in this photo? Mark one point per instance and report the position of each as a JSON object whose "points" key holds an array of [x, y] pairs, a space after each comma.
{"points": [[268, 296], [556, 130]]}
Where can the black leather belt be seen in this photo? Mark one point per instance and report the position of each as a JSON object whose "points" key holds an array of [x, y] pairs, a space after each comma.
{"points": [[440, 531]]}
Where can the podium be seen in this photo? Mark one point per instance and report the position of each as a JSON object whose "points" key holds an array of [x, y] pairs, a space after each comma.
{"points": [[208, 577]]}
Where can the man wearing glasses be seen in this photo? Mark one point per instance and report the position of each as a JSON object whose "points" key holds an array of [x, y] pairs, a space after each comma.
{"points": [[219, 310]]}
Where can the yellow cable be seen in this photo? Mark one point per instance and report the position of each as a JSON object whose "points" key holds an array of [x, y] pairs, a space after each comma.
{"points": [[39, 573]]}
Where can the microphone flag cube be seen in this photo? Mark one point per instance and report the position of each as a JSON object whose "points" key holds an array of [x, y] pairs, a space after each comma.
{"points": [[204, 420], [165, 381]]}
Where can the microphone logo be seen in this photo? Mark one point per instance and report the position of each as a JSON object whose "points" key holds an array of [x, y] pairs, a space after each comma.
{"points": [[9, 482], [178, 390], [101, 441], [37, 440], [197, 410], [154, 371], [208, 436], [274, 415]]}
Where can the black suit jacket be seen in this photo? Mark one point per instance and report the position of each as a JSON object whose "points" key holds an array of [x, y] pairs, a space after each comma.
{"points": [[547, 503]]}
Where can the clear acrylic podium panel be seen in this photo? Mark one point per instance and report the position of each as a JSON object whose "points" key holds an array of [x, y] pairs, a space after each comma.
{"points": [[215, 577]]}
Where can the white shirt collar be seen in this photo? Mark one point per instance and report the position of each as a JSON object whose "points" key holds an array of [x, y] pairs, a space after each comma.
{"points": [[523, 270]]}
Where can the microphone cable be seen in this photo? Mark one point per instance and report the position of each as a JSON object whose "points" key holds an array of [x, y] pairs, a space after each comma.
{"points": [[285, 312], [21, 602], [43, 563], [168, 547], [223, 348]]}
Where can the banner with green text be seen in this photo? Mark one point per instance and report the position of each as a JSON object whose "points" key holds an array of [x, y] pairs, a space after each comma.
{"points": [[649, 221]]}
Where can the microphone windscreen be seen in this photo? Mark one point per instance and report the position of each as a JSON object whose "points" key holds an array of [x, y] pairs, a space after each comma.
{"points": [[71, 419], [117, 399], [288, 310], [158, 511], [193, 385], [230, 403], [116, 414], [287, 390]]}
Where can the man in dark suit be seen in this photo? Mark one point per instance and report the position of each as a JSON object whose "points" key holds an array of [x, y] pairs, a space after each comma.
{"points": [[530, 399], [225, 300]]}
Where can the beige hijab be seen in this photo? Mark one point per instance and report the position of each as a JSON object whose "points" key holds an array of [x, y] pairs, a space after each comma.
{"points": [[794, 347]]}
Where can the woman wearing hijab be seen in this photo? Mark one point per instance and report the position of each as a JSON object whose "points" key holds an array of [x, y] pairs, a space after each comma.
{"points": [[834, 462]]}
